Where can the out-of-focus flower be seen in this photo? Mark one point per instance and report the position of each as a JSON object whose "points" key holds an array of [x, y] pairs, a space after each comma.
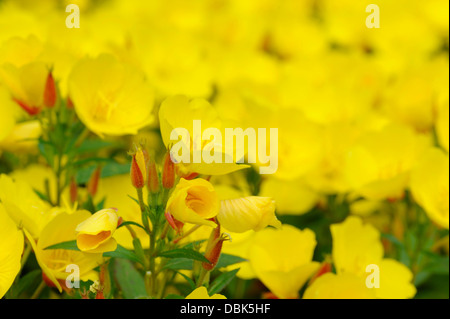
{"points": [[430, 185], [282, 259], [194, 201], [332, 286], [110, 98], [7, 116], [179, 113], [54, 262], [355, 247], [24, 206], [247, 213], [95, 234], [378, 165], [11, 248], [22, 138], [202, 293]]}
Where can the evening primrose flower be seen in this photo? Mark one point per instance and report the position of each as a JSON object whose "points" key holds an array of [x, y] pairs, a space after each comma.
{"points": [[95, 234], [11, 248], [110, 98], [202, 293], [355, 247], [442, 126], [378, 165], [194, 201], [54, 262], [430, 185], [247, 213], [24, 206], [22, 138], [178, 113], [282, 259]]}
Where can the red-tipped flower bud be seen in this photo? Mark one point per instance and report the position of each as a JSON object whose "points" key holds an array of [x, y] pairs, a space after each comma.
{"points": [[153, 179], [92, 185], [168, 175], [214, 249], [50, 91], [175, 224], [138, 171]]}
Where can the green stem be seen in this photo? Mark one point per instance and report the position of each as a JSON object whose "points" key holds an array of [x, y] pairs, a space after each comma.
{"points": [[38, 290], [201, 278]]}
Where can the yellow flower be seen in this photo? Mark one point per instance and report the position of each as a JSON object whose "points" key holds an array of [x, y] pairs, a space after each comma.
{"points": [[95, 234], [247, 213], [110, 98], [357, 250], [430, 185], [116, 189], [282, 259], [24, 206], [378, 165], [178, 112], [7, 116], [194, 201], [54, 262], [23, 137], [11, 248], [332, 286], [202, 293]]}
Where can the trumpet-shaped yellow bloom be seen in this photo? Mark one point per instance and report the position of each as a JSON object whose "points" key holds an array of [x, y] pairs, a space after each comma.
{"points": [[110, 98], [23, 138], [194, 201], [247, 213], [11, 248], [282, 259], [430, 185], [95, 234], [357, 250], [202, 293], [54, 262], [24, 206]]}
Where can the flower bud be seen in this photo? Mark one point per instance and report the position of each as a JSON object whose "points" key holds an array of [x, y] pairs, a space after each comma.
{"points": [[31, 110], [50, 91], [153, 179], [168, 175], [92, 185], [138, 169], [214, 249]]}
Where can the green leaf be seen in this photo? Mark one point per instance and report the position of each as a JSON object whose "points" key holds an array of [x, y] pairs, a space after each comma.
{"points": [[130, 223], [184, 253], [27, 282], [93, 145], [68, 245], [128, 279], [123, 253], [222, 281], [226, 260], [394, 240], [189, 280], [179, 264]]}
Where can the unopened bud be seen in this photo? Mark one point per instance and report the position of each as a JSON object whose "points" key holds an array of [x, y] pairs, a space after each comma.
{"points": [[138, 169], [153, 179], [214, 249], [50, 91], [168, 175], [92, 185], [31, 110]]}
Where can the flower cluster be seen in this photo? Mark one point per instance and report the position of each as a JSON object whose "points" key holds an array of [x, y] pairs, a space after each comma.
{"points": [[91, 197]]}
